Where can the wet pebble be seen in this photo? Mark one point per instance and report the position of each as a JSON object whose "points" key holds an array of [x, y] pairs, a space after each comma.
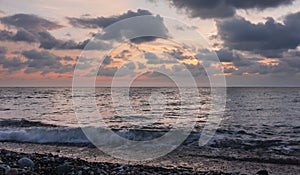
{"points": [[262, 172], [25, 162], [11, 171], [64, 168]]}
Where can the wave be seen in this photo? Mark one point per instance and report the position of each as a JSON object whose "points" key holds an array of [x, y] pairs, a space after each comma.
{"points": [[70, 135], [23, 123], [223, 140], [43, 135], [219, 147]]}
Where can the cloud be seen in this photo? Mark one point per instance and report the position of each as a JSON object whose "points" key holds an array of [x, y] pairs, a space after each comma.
{"points": [[130, 66], [102, 22], [269, 39], [124, 70], [141, 65], [2, 50], [107, 60], [6, 35], [143, 39], [226, 55], [24, 35], [29, 22], [129, 29], [31, 28], [21, 35], [107, 71], [154, 59], [177, 54], [11, 64], [124, 54], [288, 65], [283, 68], [138, 30], [45, 62], [47, 41], [223, 8]]}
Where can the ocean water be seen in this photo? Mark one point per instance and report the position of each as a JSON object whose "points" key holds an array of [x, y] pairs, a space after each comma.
{"points": [[257, 123]]}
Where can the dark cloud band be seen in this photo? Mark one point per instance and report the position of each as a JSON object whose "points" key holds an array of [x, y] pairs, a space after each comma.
{"points": [[223, 8], [270, 39]]}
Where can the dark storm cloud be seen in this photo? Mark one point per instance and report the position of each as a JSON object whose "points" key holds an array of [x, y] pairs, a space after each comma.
{"points": [[292, 59], [269, 39], [289, 64], [283, 68], [223, 8], [226, 55], [45, 62], [102, 22]]}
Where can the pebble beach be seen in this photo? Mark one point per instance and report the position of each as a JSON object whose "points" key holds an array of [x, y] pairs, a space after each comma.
{"points": [[13, 163]]}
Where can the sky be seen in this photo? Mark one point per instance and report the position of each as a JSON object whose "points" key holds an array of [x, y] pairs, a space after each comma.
{"points": [[255, 42]]}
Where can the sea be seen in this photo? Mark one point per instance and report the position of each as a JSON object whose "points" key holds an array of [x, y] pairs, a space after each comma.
{"points": [[257, 124]]}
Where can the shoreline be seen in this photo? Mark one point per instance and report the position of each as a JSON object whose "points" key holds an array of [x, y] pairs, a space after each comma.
{"points": [[178, 159], [54, 164]]}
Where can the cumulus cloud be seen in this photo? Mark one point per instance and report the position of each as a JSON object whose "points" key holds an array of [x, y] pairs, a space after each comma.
{"points": [[223, 8], [269, 39]]}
